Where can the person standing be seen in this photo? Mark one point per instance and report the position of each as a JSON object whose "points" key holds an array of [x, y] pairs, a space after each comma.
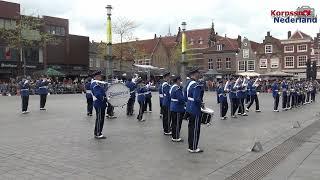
{"points": [[148, 95], [100, 103], [188, 82], [275, 94], [241, 96], [89, 97], [43, 92], [176, 108], [24, 92], [195, 96], [284, 88], [313, 92], [141, 90], [132, 87], [166, 120], [160, 97], [252, 87], [223, 100], [233, 97]]}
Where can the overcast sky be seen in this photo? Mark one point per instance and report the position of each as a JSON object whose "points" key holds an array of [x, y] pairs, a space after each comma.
{"points": [[249, 18]]}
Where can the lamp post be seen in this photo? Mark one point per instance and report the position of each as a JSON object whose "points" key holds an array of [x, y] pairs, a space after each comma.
{"points": [[183, 53], [109, 43]]}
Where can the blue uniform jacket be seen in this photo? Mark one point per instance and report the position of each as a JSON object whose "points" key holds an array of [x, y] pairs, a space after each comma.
{"points": [[233, 91], [166, 94], [141, 94], [177, 99], [221, 95], [185, 89], [284, 87], [198, 92], [132, 87], [189, 95], [252, 89], [160, 94], [42, 87], [24, 88], [88, 90], [275, 89], [148, 92], [99, 93]]}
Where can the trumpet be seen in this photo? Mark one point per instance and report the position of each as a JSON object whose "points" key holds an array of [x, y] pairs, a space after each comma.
{"points": [[226, 86], [256, 82]]}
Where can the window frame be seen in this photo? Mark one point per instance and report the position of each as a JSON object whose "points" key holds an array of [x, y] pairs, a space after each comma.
{"points": [[306, 45], [228, 63], [254, 65], [244, 65], [265, 49], [246, 52], [278, 63], [219, 63], [285, 62], [298, 61], [210, 64], [266, 63], [285, 51]]}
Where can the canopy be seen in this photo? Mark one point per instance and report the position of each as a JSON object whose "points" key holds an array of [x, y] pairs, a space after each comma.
{"points": [[49, 72], [147, 67], [212, 72], [249, 74], [277, 74]]}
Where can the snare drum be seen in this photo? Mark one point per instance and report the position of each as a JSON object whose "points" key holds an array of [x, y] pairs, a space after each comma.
{"points": [[206, 115]]}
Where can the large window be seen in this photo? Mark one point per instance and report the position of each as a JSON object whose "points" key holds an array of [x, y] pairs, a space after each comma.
{"points": [[302, 48], [219, 63], [263, 63], [228, 63], [245, 53], [241, 66], [288, 49], [274, 63], [210, 64], [91, 62], [302, 61], [268, 49], [289, 62], [251, 65], [56, 30]]}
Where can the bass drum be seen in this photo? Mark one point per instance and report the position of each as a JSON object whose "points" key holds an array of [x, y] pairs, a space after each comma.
{"points": [[118, 95], [206, 115]]}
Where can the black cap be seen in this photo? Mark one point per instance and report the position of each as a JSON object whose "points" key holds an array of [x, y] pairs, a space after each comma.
{"points": [[166, 74], [193, 71], [220, 82], [97, 73]]}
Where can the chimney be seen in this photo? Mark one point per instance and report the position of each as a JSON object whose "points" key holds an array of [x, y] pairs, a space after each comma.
{"points": [[155, 36], [268, 33], [289, 34], [225, 35], [239, 40]]}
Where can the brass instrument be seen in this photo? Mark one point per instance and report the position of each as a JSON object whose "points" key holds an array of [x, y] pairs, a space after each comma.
{"points": [[256, 82]]}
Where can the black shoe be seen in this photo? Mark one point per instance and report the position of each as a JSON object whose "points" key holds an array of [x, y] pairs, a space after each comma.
{"points": [[195, 151], [100, 137]]}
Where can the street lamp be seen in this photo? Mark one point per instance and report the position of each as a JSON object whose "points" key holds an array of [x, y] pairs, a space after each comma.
{"points": [[109, 42], [183, 52]]}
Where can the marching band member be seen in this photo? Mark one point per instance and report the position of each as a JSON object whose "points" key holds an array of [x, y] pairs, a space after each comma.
{"points": [[166, 120], [275, 94], [89, 97], [100, 104], [148, 98], [188, 82], [24, 92], [195, 99], [160, 96], [241, 96], [233, 97], [42, 85], [223, 100], [132, 87], [289, 94], [313, 92], [141, 90], [284, 88], [252, 87], [308, 89], [294, 95], [176, 108]]}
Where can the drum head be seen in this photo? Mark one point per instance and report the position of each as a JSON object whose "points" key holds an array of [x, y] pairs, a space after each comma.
{"points": [[118, 95]]}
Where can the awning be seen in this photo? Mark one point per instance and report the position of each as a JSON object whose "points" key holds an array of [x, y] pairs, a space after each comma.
{"points": [[49, 72], [249, 74], [277, 74], [212, 72]]}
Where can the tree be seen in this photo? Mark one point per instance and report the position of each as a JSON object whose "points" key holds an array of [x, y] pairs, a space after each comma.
{"points": [[27, 32], [176, 58], [124, 28]]}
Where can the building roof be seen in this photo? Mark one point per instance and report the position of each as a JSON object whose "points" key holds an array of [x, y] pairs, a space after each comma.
{"points": [[299, 35]]}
